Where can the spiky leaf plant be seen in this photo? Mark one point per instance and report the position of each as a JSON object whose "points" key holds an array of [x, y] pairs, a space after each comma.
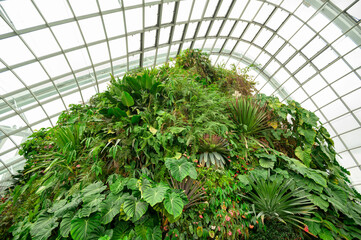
{"points": [[213, 149], [276, 200], [249, 116]]}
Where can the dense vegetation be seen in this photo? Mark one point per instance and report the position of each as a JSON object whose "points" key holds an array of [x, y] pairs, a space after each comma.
{"points": [[182, 152]]}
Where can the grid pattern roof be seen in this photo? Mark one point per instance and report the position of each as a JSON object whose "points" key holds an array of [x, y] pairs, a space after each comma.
{"points": [[54, 53]]}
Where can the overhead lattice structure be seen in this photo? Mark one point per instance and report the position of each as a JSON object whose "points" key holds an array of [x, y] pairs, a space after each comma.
{"points": [[54, 53]]}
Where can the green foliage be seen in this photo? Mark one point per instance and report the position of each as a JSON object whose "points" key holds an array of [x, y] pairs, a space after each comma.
{"points": [[214, 150], [250, 116], [131, 164], [278, 200]]}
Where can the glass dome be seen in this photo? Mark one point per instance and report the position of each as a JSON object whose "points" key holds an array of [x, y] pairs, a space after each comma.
{"points": [[54, 53]]}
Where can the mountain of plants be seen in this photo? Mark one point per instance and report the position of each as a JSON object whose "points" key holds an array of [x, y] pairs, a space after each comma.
{"points": [[183, 151]]}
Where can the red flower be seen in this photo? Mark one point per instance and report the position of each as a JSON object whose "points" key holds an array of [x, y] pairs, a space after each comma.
{"points": [[306, 228], [251, 226], [200, 216]]}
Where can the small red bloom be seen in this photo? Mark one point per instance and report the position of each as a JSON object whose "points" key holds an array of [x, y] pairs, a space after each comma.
{"points": [[200, 216], [306, 228]]}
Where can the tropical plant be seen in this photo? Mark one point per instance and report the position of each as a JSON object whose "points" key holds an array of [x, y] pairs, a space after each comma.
{"points": [[278, 200], [249, 115], [214, 150]]}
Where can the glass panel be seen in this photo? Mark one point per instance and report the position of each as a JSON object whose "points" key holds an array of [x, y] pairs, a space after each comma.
{"points": [[164, 35], [251, 10], [185, 8], [92, 29], [151, 14], [302, 37], [264, 13], [251, 32], [178, 32], [277, 19], [56, 66], [149, 39], [41, 42], [215, 27], [68, 35], [203, 28], [109, 4], [313, 47], [114, 24], [290, 27], [286, 52], [117, 47], [35, 114], [345, 123], [224, 8], [14, 51], [263, 37], [191, 30], [31, 73], [134, 19], [134, 43], [78, 59], [334, 110], [83, 7], [351, 139], [198, 9], [335, 71], [167, 13], [54, 107], [9, 83], [24, 16], [347, 84], [99, 53], [227, 27]]}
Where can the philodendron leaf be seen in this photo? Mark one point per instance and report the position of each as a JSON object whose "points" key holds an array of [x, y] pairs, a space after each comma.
{"points": [[65, 224], [127, 99], [319, 202], [134, 208], [173, 203], [118, 186], [111, 207], [309, 134], [155, 195], [266, 163], [180, 168], [41, 229], [86, 228], [304, 155], [154, 234]]}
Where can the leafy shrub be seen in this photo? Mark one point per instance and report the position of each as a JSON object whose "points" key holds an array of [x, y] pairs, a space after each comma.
{"points": [[214, 150]]}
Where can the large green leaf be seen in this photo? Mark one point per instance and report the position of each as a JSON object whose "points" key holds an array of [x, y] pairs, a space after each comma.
{"points": [[118, 186], [86, 228], [91, 206], [127, 99], [309, 134], [43, 226], [304, 155], [180, 168], [155, 234], [173, 203], [111, 207], [65, 224], [319, 202], [265, 163], [317, 177], [134, 208], [155, 195]]}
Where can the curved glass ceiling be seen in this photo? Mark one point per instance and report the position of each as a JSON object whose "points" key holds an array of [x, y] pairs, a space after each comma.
{"points": [[54, 53]]}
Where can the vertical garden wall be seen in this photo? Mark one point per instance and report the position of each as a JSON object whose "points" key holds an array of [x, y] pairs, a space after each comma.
{"points": [[184, 151]]}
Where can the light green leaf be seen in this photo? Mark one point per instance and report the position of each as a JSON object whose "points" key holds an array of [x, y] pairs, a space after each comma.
{"points": [[134, 208], [173, 203], [309, 134], [326, 234], [180, 168], [111, 207], [118, 186], [243, 179], [304, 156], [65, 224], [41, 229], [155, 195], [319, 202], [154, 234], [266, 163], [176, 130], [127, 99], [318, 178], [86, 228]]}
